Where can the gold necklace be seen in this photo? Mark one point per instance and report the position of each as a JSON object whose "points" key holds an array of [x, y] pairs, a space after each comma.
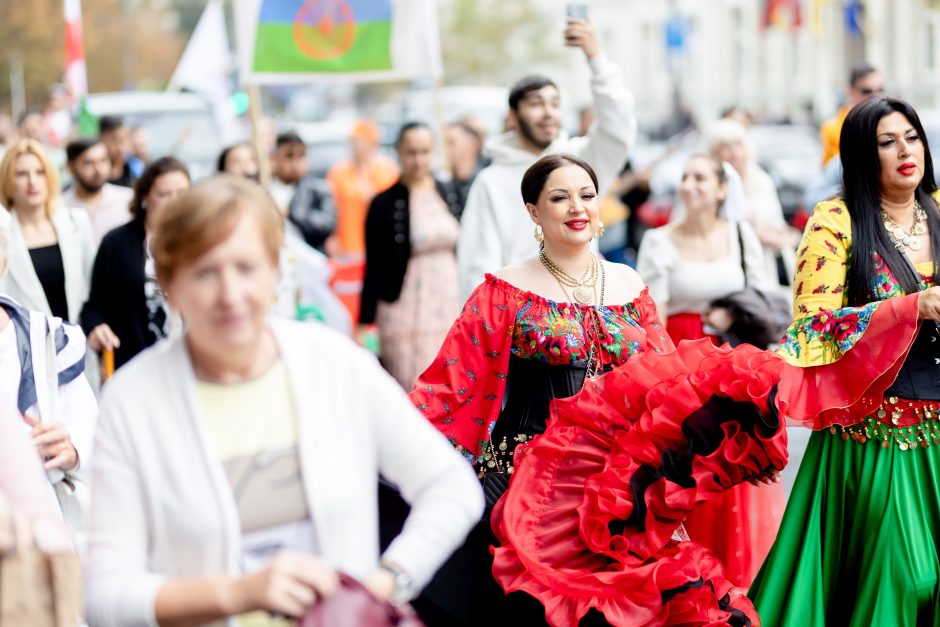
{"points": [[906, 238], [584, 289]]}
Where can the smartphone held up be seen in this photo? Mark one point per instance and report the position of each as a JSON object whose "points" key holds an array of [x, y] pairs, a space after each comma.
{"points": [[574, 11], [577, 11]]}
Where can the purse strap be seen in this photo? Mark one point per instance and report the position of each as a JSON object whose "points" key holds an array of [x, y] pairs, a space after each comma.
{"points": [[741, 252]]}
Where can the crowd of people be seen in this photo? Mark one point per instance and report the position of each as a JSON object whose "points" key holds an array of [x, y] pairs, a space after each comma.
{"points": [[191, 404]]}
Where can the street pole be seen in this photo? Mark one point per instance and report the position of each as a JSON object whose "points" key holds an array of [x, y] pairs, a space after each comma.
{"points": [[17, 85], [255, 115]]}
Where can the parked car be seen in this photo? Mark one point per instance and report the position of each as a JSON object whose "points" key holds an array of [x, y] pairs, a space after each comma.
{"points": [[178, 124]]}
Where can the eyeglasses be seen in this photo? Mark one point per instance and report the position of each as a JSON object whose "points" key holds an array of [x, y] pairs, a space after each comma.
{"points": [[868, 91]]}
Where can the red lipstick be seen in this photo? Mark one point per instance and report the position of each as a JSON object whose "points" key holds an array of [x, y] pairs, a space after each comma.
{"points": [[907, 169], [577, 225]]}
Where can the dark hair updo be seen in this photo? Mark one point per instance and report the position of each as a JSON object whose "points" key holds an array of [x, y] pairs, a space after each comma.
{"points": [[533, 181]]}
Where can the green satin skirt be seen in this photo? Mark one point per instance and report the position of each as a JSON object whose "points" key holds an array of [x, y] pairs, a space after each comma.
{"points": [[858, 545]]}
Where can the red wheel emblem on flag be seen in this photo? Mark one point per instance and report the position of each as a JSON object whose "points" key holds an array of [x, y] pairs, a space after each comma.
{"points": [[324, 29]]}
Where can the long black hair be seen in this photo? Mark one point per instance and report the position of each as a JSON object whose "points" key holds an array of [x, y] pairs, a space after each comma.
{"points": [[861, 175]]}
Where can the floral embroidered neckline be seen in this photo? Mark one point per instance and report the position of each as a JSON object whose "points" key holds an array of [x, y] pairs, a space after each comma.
{"points": [[548, 302]]}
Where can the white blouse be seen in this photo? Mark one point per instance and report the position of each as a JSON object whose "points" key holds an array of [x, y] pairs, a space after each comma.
{"points": [[683, 286]]}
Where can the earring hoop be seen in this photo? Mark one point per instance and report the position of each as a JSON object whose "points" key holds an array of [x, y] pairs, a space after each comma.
{"points": [[539, 234]]}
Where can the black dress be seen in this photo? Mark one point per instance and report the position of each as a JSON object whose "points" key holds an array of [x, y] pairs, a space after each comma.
{"points": [[117, 295], [49, 267]]}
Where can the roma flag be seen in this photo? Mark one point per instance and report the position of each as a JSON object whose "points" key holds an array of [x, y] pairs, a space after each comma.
{"points": [[359, 40]]}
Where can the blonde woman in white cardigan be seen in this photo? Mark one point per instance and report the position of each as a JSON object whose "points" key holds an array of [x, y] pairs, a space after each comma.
{"points": [[236, 465], [51, 248]]}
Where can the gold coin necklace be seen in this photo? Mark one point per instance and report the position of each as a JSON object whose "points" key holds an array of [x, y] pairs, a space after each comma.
{"points": [[584, 290], [907, 238]]}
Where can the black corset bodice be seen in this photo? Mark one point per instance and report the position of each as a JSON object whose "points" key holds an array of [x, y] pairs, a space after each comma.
{"points": [[531, 385], [919, 378]]}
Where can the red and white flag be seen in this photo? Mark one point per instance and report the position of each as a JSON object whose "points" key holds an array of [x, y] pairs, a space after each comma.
{"points": [[76, 78]]}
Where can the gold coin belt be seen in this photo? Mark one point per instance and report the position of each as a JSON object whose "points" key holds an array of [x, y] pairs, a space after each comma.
{"points": [[498, 458], [908, 425]]}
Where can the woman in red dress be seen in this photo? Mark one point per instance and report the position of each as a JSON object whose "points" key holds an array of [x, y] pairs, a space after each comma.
{"points": [[706, 255], [589, 530]]}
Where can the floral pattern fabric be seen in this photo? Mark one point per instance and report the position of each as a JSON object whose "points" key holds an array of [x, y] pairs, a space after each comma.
{"points": [[825, 328], [461, 392]]}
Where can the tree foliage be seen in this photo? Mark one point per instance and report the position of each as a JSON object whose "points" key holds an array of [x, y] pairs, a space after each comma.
{"points": [[128, 44], [492, 41]]}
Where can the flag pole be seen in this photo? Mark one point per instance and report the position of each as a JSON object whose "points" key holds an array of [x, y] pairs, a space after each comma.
{"points": [[255, 115]]}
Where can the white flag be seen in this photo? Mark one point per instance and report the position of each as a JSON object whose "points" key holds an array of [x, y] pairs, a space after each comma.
{"points": [[206, 66]]}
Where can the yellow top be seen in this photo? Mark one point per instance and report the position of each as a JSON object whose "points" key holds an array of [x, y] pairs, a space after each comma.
{"points": [[253, 428], [824, 328]]}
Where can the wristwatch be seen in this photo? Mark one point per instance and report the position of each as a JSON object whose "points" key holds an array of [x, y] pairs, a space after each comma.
{"points": [[404, 584]]}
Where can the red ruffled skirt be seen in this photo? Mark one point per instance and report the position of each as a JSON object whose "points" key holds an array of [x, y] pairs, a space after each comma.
{"points": [[749, 515], [590, 515]]}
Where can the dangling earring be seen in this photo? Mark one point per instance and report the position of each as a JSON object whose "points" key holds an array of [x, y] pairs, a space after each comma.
{"points": [[600, 229], [539, 235]]}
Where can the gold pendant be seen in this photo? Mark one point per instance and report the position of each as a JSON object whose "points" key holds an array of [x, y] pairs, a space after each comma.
{"points": [[583, 295], [913, 244]]}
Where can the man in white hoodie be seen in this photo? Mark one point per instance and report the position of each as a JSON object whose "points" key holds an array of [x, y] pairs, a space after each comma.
{"points": [[495, 229]]}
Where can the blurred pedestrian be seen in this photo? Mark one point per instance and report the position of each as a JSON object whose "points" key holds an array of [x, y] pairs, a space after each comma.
{"points": [[56, 116], [865, 82], [23, 485], [108, 205], [463, 142], [307, 198], [727, 140], [140, 145], [52, 247], [7, 132], [126, 311], [491, 227], [410, 286], [355, 181], [239, 160], [44, 392], [31, 125], [237, 465], [738, 114], [116, 137], [707, 255], [303, 289]]}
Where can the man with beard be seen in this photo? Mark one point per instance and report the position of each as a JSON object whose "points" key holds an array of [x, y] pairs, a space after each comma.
{"points": [[107, 204], [496, 230]]}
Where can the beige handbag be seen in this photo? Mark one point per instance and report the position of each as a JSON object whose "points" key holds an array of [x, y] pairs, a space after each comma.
{"points": [[37, 588]]}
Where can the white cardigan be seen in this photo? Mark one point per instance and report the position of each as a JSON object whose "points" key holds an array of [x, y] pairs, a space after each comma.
{"points": [[73, 231], [162, 506]]}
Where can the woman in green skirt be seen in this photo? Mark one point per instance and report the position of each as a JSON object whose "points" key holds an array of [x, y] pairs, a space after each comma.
{"points": [[859, 540]]}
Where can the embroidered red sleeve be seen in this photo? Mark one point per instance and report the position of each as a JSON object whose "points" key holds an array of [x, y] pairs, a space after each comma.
{"points": [[657, 339], [461, 392]]}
